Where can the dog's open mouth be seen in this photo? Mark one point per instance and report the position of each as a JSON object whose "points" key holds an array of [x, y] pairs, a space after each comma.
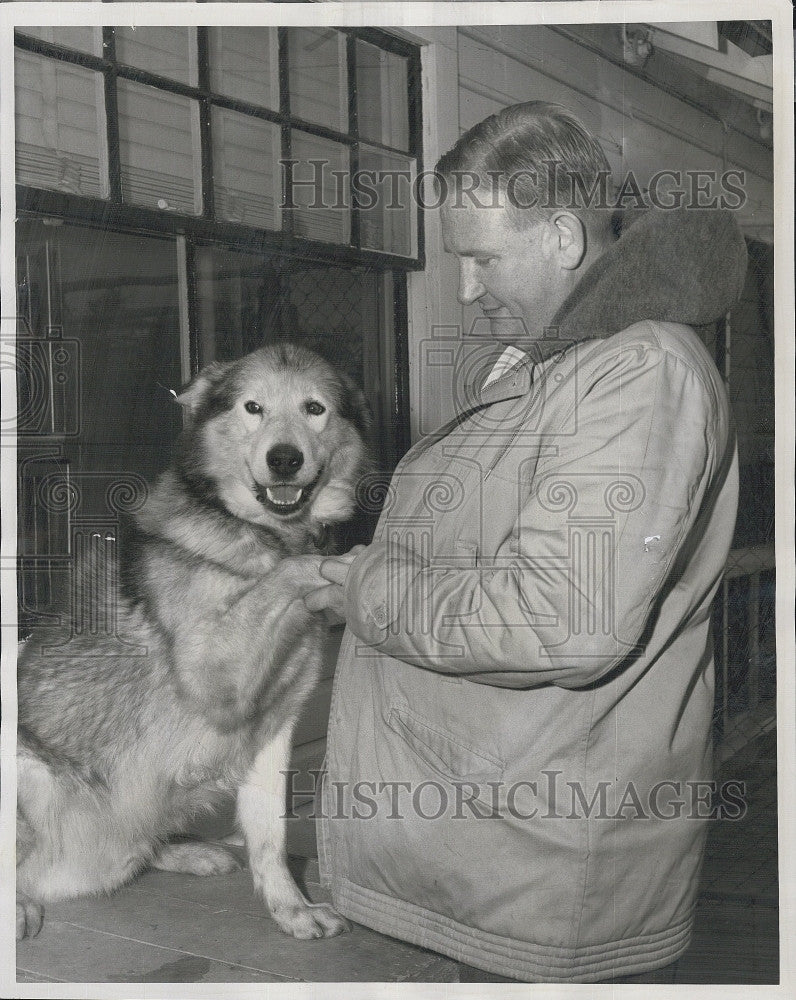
{"points": [[285, 498]]}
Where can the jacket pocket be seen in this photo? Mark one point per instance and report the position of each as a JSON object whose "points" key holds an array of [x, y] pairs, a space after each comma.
{"points": [[446, 756]]}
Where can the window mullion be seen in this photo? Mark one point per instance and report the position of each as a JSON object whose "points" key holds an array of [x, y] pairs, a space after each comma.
{"points": [[112, 118], [206, 150], [415, 95], [353, 127], [187, 338], [288, 222]]}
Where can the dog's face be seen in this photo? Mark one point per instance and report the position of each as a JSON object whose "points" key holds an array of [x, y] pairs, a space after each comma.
{"points": [[280, 434]]}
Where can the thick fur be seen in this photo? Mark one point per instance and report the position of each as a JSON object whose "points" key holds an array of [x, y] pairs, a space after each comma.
{"points": [[117, 753]]}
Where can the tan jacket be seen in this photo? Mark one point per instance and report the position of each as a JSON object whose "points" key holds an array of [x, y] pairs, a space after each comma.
{"points": [[522, 708]]}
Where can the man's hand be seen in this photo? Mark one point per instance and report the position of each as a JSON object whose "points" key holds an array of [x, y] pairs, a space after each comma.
{"points": [[331, 598], [299, 574]]}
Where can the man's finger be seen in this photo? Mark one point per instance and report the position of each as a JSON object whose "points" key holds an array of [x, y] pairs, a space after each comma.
{"points": [[350, 556], [335, 570], [330, 597]]}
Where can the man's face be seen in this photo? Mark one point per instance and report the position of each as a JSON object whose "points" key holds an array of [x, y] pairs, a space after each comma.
{"points": [[512, 273]]}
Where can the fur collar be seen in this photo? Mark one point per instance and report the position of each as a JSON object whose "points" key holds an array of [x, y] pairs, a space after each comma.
{"points": [[677, 266]]}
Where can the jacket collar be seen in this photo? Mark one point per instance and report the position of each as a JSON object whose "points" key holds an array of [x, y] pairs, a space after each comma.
{"points": [[676, 266]]}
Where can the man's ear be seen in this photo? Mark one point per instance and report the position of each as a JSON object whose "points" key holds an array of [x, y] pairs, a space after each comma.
{"points": [[570, 235], [194, 396]]}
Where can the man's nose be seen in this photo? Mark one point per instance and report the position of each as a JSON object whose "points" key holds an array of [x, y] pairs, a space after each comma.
{"points": [[470, 287]]}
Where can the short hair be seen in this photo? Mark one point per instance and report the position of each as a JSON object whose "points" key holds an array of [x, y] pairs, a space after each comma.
{"points": [[541, 157]]}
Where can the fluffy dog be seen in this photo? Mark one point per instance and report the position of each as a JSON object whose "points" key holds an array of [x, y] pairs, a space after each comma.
{"points": [[118, 753]]}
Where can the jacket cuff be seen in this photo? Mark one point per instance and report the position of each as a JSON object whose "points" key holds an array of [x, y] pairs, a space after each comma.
{"points": [[376, 587]]}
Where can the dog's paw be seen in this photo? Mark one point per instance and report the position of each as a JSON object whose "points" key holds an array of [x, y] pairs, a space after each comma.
{"points": [[194, 858], [30, 916], [311, 920], [300, 574]]}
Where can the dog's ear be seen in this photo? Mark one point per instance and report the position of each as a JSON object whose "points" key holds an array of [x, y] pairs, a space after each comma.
{"points": [[194, 397], [354, 407]]}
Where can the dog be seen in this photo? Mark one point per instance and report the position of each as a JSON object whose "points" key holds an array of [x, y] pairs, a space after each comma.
{"points": [[117, 753]]}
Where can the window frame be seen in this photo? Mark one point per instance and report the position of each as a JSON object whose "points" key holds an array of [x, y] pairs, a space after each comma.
{"points": [[116, 213]]}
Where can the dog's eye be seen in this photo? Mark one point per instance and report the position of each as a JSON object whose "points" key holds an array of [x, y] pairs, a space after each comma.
{"points": [[314, 408], [251, 407]]}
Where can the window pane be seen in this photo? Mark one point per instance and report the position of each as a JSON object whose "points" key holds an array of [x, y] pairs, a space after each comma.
{"points": [[84, 39], [390, 224], [117, 295], [169, 52], [382, 96], [159, 148], [246, 169], [317, 71], [60, 123], [320, 189], [244, 64]]}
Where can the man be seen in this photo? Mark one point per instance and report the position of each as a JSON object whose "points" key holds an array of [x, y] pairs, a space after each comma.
{"points": [[520, 735]]}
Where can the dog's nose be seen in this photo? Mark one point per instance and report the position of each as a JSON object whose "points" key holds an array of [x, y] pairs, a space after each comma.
{"points": [[284, 460]]}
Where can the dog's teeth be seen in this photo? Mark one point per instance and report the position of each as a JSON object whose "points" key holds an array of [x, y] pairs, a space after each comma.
{"points": [[283, 496]]}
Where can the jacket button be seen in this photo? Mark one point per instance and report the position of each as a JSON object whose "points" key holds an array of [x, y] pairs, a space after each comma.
{"points": [[380, 617]]}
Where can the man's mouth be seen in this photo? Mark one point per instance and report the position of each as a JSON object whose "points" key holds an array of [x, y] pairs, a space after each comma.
{"points": [[284, 498]]}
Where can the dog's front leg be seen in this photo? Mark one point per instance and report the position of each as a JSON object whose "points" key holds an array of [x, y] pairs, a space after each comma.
{"points": [[30, 915], [261, 810]]}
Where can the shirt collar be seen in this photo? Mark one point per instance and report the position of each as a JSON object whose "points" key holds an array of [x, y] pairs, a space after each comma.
{"points": [[510, 358], [511, 376]]}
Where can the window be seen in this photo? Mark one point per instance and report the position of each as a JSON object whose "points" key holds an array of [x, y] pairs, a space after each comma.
{"points": [[267, 129]]}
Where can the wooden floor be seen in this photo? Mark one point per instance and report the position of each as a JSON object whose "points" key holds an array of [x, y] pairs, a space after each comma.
{"points": [[168, 928]]}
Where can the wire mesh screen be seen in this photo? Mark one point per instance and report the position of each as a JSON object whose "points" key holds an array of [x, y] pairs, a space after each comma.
{"points": [[325, 310]]}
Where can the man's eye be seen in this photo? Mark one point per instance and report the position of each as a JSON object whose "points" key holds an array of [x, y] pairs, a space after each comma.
{"points": [[314, 408], [484, 261], [251, 407]]}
